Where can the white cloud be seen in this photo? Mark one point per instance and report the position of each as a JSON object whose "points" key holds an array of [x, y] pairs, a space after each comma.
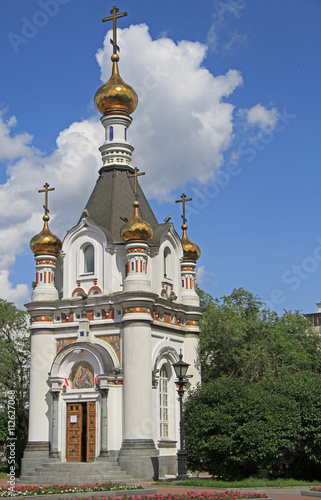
{"points": [[12, 147], [182, 125], [203, 275], [219, 38], [181, 129], [19, 294], [264, 118]]}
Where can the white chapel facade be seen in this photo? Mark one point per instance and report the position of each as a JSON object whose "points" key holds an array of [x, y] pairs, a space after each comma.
{"points": [[113, 306]]}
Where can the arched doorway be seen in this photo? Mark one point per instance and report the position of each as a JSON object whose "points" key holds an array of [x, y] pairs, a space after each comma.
{"points": [[79, 381]]}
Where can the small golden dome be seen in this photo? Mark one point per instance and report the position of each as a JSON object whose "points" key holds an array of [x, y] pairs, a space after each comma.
{"points": [[190, 249], [45, 242], [115, 95], [136, 228]]}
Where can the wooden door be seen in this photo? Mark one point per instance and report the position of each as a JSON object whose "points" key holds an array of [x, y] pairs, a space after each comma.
{"points": [[74, 431], [91, 431]]}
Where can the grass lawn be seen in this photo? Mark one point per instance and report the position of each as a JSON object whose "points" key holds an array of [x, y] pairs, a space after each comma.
{"points": [[245, 483]]}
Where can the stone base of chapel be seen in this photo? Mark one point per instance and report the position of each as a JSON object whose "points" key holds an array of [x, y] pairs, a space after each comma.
{"points": [[138, 460], [36, 452]]}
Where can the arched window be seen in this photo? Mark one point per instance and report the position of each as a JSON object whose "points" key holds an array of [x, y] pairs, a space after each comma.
{"points": [[89, 259], [163, 402], [167, 263], [111, 133]]}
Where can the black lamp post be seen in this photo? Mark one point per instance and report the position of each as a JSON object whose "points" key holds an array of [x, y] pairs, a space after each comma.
{"points": [[181, 370]]}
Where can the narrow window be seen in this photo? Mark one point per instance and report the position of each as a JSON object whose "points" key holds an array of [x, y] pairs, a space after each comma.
{"points": [[163, 402], [167, 266], [111, 133], [125, 134], [89, 259]]}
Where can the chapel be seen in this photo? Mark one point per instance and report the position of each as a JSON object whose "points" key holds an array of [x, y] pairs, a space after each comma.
{"points": [[113, 306]]}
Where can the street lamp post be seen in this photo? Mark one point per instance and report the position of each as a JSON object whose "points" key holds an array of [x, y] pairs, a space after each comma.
{"points": [[181, 368]]}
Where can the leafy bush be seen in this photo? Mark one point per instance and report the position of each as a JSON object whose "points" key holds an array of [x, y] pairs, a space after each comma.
{"points": [[259, 407]]}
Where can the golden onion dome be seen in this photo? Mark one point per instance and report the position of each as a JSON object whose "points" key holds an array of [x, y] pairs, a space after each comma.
{"points": [[115, 96], [45, 242], [190, 249], [136, 229]]}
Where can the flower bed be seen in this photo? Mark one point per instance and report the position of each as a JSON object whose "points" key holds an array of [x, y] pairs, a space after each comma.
{"points": [[226, 495], [65, 489], [315, 488]]}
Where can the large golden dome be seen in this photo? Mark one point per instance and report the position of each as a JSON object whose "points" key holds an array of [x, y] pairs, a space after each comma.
{"points": [[115, 95], [136, 229], [45, 242], [190, 249]]}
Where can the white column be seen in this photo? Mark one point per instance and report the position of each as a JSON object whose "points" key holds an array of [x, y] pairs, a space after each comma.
{"points": [[42, 355], [138, 417], [138, 454], [104, 422], [191, 356], [54, 452]]}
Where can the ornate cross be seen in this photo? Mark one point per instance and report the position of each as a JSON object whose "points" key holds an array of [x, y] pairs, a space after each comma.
{"points": [[183, 200], [136, 174], [114, 17], [46, 186]]}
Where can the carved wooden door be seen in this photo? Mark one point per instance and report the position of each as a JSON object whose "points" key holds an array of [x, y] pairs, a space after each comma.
{"points": [[91, 431], [74, 431]]}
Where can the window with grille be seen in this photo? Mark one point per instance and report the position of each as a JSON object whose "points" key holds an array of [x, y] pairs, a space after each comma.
{"points": [[163, 402]]}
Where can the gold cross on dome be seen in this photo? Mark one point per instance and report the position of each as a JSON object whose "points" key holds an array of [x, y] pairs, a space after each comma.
{"points": [[183, 200], [136, 174], [45, 190], [114, 18]]}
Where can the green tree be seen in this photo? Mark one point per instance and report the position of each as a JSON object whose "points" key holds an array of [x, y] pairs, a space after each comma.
{"points": [[240, 338], [14, 366], [260, 400]]}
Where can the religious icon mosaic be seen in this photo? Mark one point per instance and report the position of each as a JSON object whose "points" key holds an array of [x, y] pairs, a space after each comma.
{"points": [[82, 376], [61, 343], [113, 341]]}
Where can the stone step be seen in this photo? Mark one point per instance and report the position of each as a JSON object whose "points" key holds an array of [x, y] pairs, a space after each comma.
{"points": [[61, 479], [52, 468], [100, 471], [43, 471], [75, 480]]}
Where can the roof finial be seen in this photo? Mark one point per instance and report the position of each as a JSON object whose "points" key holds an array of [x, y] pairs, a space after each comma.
{"points": [[183, 200], [136, 174], [115, 96], [45, 190], [114, 18], [191, 251], [45, 242]]}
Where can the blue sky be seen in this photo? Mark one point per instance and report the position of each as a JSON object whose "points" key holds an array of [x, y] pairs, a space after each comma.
{"points": [[229, 113]]}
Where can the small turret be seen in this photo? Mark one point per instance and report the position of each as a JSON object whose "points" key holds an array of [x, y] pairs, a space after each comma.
{"points": [[46, 247], [191, 253]]}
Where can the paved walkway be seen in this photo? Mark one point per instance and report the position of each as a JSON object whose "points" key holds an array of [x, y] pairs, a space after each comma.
{"points": [[275, 493]]}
